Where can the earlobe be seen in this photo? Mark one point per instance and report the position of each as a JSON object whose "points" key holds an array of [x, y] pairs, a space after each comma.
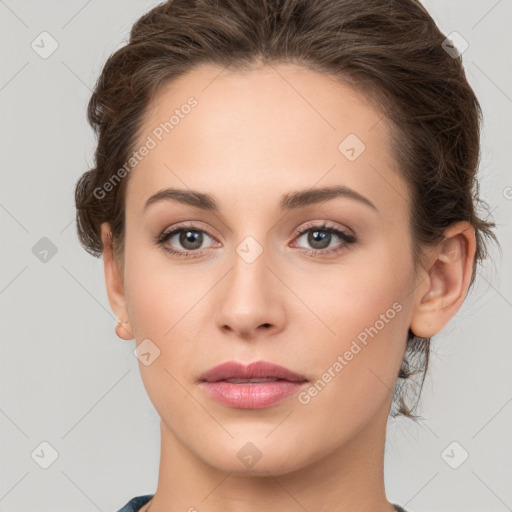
{"points": [[446, 280], [114, 285], [124, 330]]}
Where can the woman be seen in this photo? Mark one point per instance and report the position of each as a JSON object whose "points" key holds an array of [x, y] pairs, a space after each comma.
{"points": [[285, 199]]}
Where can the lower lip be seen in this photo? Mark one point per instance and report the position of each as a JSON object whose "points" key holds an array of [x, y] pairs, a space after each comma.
{"points": [[255, 395]]}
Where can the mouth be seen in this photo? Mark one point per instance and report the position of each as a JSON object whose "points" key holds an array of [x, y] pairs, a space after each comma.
{"points": [[255, 386]]}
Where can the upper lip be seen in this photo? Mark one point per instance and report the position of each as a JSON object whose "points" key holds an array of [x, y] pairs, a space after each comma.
{"points": [[257, 369]]}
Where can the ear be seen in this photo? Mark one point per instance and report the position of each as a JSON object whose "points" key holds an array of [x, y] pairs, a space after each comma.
{"points": [[114, 284], [446, 280]]}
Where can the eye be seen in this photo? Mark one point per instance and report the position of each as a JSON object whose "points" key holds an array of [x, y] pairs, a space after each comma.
{"points": [[189, 237], [320, 238]]}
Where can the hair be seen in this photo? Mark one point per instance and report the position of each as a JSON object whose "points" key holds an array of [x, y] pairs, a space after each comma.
{"points": [[390, 51]]}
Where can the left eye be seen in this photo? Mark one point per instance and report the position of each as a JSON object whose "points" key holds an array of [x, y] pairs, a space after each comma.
{"points": [[320, 237]]}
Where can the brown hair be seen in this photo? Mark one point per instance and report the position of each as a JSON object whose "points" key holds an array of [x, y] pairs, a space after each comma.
{"points": [[390, 51]]}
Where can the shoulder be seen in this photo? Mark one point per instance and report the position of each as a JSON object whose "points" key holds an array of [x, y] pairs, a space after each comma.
{"points": [[136, 503]]}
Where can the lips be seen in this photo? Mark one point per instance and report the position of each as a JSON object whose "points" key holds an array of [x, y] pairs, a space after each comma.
{"points": [[258, 371], [255, 386]]}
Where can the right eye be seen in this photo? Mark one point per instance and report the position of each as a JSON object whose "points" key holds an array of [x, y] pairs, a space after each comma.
{"points": [[190, 237]]}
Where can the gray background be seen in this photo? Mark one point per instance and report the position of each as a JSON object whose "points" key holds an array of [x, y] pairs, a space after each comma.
{"points": [[67, 380]]}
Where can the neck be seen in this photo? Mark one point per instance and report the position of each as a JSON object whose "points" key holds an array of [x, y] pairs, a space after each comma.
{"points": [[350, 477]]}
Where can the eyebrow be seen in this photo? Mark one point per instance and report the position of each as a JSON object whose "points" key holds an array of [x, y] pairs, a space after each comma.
{"points": [[289, 201]]}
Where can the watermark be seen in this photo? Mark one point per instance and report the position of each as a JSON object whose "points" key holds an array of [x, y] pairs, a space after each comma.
{"points": [[44, 45], [507, 193], [305, 396], [455, 45], [151, 142], [44, 455], [44, 250], [249, 249], [455, 455], [146, 352], [249, 454], [351, 147]]}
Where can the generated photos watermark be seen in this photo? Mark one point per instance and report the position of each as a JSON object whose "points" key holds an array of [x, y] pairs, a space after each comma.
{"points": [[151, 142], [358, 343]]}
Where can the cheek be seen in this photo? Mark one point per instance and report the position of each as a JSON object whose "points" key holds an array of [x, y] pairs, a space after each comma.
{"points": [[357, 369], [160, 304], [370, 289], [361, 339], [168, 304], [158, 292]]}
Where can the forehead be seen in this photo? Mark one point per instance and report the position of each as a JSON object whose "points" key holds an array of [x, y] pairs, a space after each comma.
{"points": [[282, 124]]}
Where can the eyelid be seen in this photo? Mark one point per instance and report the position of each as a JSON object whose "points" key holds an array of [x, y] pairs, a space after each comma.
{"points": [[321, 226], [192, 225]]}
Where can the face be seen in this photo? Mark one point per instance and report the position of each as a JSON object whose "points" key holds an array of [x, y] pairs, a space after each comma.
{"points": [[318, 284]]}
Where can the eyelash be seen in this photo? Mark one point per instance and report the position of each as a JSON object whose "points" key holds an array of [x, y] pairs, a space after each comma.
{"points": [[345, 237]]}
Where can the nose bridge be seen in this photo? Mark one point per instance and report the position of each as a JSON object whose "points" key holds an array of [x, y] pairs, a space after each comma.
{"points": [[249, 297], [249, 277]]}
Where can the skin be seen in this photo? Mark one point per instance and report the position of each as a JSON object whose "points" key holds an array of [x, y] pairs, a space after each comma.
{"points": [[253, 137]]}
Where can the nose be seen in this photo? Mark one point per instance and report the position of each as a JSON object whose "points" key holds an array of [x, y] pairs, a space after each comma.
{"points": [[250, 301]]}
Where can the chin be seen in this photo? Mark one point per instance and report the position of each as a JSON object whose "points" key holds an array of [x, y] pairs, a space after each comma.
{"points": [[258, 457]]}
